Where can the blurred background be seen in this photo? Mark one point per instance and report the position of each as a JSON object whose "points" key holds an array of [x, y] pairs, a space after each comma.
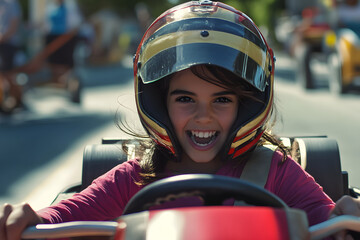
{"points": [[50, 110]]}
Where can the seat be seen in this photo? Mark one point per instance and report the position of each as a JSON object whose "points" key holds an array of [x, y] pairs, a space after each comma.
{"points": [[100, 158], [318, 155], [97, 160]]}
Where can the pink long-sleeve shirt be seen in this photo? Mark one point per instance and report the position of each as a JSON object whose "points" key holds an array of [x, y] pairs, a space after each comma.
{"points": [[106, 198]]}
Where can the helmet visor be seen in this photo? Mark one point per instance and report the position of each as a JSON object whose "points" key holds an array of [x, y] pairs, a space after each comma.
{"points": [[209, 39]]}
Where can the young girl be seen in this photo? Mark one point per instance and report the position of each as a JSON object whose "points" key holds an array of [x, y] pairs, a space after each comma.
{"points": [[204, 78]]}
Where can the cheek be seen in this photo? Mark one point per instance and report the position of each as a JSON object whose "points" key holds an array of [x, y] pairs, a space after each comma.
{"points": [[176, 117], [227, 118], [180, 116]]}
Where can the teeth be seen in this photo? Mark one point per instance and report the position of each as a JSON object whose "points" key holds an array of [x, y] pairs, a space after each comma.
{"points": [[203, 138], [203, 134]]}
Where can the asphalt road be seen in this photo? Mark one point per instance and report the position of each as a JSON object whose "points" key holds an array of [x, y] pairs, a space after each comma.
{"points": [[41, 148], [318, 112]]}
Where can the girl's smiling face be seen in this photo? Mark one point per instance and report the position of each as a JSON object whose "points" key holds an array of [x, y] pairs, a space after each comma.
{"points": [[202, 115]]}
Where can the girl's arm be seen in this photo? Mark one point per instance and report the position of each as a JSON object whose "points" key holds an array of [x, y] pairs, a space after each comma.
{"points": [[298, 189], [105, 199]]}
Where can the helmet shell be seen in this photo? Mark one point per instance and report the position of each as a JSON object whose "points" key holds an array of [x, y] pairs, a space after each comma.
{"points": [[210, 33]]}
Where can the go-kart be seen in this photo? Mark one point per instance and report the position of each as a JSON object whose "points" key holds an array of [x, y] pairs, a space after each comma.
{"points": [[259, 214], [307, 44], [342, 45], [344, 59]]}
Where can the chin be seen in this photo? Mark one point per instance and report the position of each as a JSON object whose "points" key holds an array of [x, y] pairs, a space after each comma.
{"points": [[203, 159]]}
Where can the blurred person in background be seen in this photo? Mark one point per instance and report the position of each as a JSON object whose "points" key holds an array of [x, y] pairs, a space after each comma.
{"points": [[63, 22], [10, 19]]}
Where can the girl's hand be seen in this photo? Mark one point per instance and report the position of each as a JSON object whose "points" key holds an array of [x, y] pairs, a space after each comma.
{"points": [[14, 219], [346, 206]]}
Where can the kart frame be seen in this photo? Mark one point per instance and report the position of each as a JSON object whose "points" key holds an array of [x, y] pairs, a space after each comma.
{"points": [[311, 152]]}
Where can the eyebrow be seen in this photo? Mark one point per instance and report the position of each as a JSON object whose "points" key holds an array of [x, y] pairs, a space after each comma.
{"points": [[179, 92], [224, 93]]}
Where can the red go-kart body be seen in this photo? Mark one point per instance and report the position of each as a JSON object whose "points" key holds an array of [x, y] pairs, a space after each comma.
{"points": [[216, 222]]}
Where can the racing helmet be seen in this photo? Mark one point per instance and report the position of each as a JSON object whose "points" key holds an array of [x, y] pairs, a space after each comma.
{"points": [[198, 33]]}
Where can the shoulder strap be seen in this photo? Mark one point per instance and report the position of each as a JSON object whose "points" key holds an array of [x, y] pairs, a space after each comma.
{"points": [[257, 168]]}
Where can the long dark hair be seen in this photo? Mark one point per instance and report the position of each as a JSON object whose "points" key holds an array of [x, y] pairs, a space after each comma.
{"points": [[153, 157]]}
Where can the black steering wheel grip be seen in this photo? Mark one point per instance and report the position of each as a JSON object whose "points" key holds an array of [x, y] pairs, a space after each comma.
{"points": [[212, 189]]}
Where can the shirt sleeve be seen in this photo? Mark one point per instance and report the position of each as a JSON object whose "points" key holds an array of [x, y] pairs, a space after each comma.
{"points": [[298, 189], [105, 199]]}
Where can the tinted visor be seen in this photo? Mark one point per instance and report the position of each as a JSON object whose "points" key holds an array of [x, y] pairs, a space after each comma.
{"points": [[181, 44]]}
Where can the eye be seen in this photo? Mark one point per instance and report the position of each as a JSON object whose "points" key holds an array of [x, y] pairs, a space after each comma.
{"points": [[184, 99], [223, 100]]}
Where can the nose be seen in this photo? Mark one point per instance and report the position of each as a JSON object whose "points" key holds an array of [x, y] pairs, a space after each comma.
{"points": [[203, 113]]}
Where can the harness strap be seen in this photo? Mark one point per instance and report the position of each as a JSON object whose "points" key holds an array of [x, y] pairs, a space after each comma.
{"points": [[257, 168]]}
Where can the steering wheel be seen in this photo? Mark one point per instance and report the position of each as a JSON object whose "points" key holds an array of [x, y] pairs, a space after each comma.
{"points": [[213, 189]]}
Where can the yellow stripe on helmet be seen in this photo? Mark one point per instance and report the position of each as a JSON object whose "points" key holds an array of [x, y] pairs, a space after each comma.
{"points": [[242, 140], [215, 37], [257, 120], [159, 139]]}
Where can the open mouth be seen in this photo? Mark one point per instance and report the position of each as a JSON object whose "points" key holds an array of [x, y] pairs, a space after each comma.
{"points": [[202, 138]]}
